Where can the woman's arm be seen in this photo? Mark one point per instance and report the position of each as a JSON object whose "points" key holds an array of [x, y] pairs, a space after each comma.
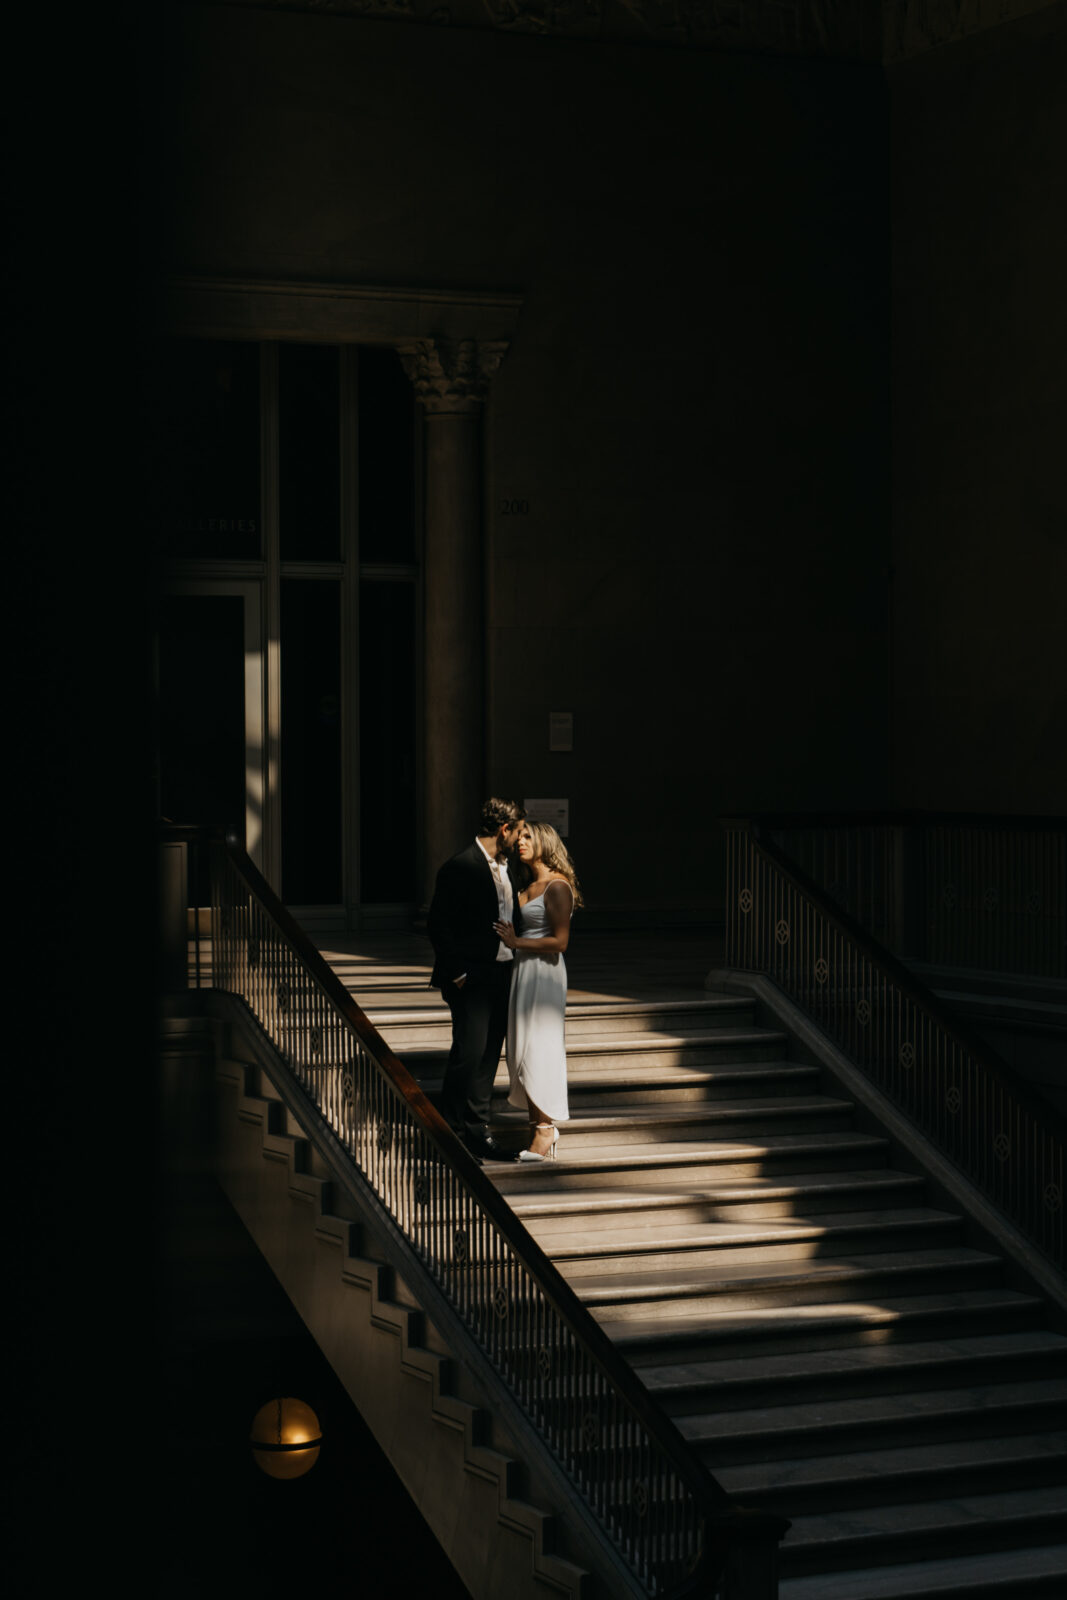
{"points": [[558, 903]]}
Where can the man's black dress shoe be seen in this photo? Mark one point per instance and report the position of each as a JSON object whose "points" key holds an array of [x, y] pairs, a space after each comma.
{"points": [[483, 1147]]}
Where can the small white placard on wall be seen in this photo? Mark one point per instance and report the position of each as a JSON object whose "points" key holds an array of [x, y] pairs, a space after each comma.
{"points": [[557, 812], [561, 730]]}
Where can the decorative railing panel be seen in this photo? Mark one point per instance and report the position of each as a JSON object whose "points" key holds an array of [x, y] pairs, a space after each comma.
{"points": [[858, 866], [1006, 1141], [647, 1490], [996, 897], [987, 893]]}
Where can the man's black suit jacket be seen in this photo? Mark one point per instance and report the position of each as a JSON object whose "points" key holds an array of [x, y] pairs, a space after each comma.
{"points": [[461, 917]]}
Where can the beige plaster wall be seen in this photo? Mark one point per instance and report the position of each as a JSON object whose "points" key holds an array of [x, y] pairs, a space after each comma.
{"points": [[980, 422], [693, 407]]}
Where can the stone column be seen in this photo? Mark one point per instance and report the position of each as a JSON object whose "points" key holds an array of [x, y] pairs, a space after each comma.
{"points": [[451, 380]]}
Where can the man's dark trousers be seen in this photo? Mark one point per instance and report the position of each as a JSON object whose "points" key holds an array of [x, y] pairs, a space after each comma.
{"points": [[479, 1022], [460, 924]]}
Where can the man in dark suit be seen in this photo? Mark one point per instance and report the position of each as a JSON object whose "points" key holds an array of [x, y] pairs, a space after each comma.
{"points": [[473, 970]]}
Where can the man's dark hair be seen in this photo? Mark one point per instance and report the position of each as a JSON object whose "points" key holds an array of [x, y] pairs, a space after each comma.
{"points": [[497, 814]]}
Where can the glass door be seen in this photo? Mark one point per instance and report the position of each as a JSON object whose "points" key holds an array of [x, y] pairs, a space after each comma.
{"points": [[288, 527]]}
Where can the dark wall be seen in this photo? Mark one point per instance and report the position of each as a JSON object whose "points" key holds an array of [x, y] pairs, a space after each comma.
{"points": [[694, 406], [980, 422]]}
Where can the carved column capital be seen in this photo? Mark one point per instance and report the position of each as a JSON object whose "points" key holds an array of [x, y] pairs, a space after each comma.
{"points": [[451, 375]]}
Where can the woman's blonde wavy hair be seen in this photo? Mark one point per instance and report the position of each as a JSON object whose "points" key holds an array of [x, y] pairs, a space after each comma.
{"points": [[553, 852]]}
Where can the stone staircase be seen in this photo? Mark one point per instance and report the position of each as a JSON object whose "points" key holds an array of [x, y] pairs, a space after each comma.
{"points": [[836, 1346]]}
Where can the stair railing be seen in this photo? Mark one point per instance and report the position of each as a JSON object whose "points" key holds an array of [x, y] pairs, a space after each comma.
{"points": [[1005, 1139], [988, 893], [666, 1516]]}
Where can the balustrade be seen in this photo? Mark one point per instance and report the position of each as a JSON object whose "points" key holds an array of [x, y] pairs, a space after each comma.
{"points": [[986, 893], [1009, 1143], [666, 1516]]}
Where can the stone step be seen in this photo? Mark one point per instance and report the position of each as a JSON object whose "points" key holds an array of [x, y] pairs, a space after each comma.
{"points": [[715, 1200], [1028, 1574], [818, 1484], [637, 1081], [829, 1427], [640, 1084], [679, 1289], [689, 1386], [725, 1045], [823, 1325], [657, 1335], [406, 1026], [427, 1058], [695, 1161], [594, 1019], [708, 1243], [606, 1131], [968, 1523]]}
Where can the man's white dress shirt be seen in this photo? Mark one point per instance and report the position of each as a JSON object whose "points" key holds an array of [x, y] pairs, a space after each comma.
{"points": [[504, 897]]}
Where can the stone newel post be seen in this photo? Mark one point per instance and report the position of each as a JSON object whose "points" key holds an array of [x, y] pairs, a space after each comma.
{"points": [[451, 380]]}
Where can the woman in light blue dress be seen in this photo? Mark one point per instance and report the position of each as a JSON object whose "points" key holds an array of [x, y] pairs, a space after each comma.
{"points": [[536, 1052]]}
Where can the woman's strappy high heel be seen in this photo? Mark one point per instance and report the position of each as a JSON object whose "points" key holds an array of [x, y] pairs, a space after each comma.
{"points": [[532, 1155]]}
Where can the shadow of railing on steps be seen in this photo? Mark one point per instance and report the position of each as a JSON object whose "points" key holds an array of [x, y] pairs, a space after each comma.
{"points": [[672, 1524], [1004, 1138]]}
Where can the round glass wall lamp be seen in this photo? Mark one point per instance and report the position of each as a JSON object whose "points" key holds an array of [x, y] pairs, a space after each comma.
{"points": [[285, 1438]]}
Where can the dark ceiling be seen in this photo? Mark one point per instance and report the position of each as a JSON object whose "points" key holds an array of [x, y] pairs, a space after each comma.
{"points": [[852, 30]]}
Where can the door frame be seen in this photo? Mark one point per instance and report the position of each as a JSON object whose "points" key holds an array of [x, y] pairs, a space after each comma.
{"points": [[250, 591]]}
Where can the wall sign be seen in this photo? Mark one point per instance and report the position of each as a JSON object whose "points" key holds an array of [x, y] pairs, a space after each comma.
{"points": [[561, 730]]}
